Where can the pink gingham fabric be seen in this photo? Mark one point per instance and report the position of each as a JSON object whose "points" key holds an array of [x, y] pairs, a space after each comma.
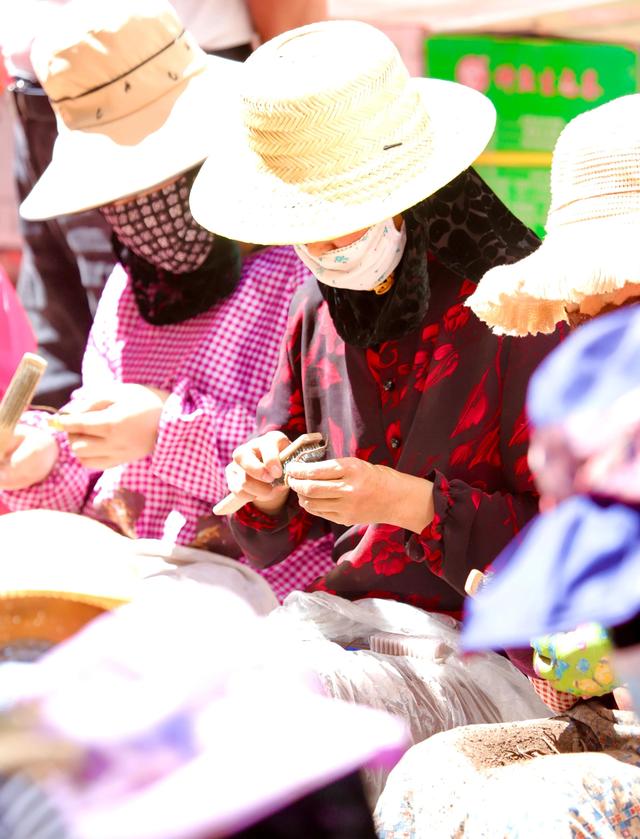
{"points": [[557, 700], [216, 366]]}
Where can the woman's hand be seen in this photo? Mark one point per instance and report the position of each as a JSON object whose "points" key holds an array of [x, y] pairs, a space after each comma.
{"points": [[255, 465], [350, 491], [31, 455], [118, 428]]}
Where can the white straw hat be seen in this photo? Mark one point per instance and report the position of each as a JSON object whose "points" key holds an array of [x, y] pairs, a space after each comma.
{"points": [[589, 259], [333, 136], [135, 100]]}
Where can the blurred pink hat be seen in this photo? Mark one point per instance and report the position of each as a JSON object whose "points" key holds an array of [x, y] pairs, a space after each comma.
{"points": [[192, 719]]}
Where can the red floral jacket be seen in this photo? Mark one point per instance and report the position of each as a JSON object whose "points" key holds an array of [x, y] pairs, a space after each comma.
{"points": [[445, 402]]}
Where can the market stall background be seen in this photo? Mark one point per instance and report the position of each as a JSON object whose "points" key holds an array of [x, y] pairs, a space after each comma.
{"points": [[541, 64], [539, 68]]}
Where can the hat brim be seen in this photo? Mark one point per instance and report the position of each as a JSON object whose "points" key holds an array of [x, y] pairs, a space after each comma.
{"points": [[232, 784], [64, 555], [236, 196], [95, 166], [575, 564], [579, 264], [36, 620]]}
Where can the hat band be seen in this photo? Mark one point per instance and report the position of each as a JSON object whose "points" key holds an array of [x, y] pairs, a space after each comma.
{"points": [[136, 89]]}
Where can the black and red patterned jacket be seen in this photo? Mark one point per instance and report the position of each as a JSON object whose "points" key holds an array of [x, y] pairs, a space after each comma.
{"points": [[445, 403]]}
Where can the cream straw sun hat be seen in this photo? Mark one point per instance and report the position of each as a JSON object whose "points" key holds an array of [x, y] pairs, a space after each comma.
{"points": [[333, 136], [135, 100], [590, 259]]}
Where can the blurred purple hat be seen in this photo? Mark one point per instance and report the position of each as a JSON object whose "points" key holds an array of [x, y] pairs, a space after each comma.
{"points": [[584, 405], [192, 718]]}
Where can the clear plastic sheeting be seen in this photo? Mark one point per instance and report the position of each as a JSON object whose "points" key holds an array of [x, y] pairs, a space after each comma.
{"points": [[433, 689]]}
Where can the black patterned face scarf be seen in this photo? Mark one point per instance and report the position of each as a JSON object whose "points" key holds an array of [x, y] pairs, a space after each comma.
{"points": [[466, 227], [177, 268]]}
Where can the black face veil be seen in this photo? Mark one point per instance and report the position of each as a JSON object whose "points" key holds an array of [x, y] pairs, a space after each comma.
{"points": [[466, 227]]}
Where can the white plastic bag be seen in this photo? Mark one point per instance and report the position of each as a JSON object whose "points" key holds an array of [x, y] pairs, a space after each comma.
{"points": [[433, 689]]}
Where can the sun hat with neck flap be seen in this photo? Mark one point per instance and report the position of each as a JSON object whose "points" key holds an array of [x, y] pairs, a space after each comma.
{"points": [[135, 100], [589, 261], [333, 136]]}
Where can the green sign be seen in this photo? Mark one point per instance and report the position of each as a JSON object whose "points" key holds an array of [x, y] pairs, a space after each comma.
{"points": [[537, 86]]}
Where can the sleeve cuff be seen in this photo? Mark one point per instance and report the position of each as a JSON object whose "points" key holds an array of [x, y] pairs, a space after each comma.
{"points": [[427, 546], [250, 516]]}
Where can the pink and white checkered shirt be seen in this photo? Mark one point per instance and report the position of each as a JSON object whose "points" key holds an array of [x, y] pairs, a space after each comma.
{"points": [[216, 366]]}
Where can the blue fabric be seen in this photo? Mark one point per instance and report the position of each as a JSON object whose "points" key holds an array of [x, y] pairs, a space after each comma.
{"points": [[595, 365], [579, 562]]}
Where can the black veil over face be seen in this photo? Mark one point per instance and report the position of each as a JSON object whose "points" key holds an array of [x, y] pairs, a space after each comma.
{"points": [[163, 297], [178, 269], [465, 227]]}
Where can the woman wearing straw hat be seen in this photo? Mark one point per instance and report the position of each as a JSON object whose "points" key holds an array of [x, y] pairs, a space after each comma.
{"points": [[186, 339], [578, 562], [421, 406]]}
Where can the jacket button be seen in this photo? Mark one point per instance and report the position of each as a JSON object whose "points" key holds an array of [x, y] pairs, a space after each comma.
{"points": [[396, 442], [388, 385]]}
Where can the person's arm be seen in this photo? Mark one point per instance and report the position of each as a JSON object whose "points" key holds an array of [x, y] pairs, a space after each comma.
{"points": [[197, 435], [269, 531], [40, 471], [471, 526], [271, 17]]}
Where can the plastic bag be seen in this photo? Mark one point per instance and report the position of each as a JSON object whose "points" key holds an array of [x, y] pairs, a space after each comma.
{"points": [[432, 688], [16, 335]]}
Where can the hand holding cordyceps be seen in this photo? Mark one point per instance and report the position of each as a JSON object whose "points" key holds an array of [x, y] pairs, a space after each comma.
{"points": [[117, 427], [255, 466]]}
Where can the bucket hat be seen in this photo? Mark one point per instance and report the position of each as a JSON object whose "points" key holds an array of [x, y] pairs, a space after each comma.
{"points": [[588, 260], [333, 136], [135, 101]]}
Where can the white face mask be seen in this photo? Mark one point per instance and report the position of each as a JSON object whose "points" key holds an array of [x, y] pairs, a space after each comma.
{"points": [[362, 265]]}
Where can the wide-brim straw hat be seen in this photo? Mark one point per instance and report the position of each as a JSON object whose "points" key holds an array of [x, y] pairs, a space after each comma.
{"points": [[332, 136], [58, 572], [589, 258], [135, 100]]}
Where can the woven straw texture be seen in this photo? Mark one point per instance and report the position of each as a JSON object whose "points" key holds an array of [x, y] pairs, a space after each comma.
{"points": [[36, 617], [589, 259], [333, 136]]}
